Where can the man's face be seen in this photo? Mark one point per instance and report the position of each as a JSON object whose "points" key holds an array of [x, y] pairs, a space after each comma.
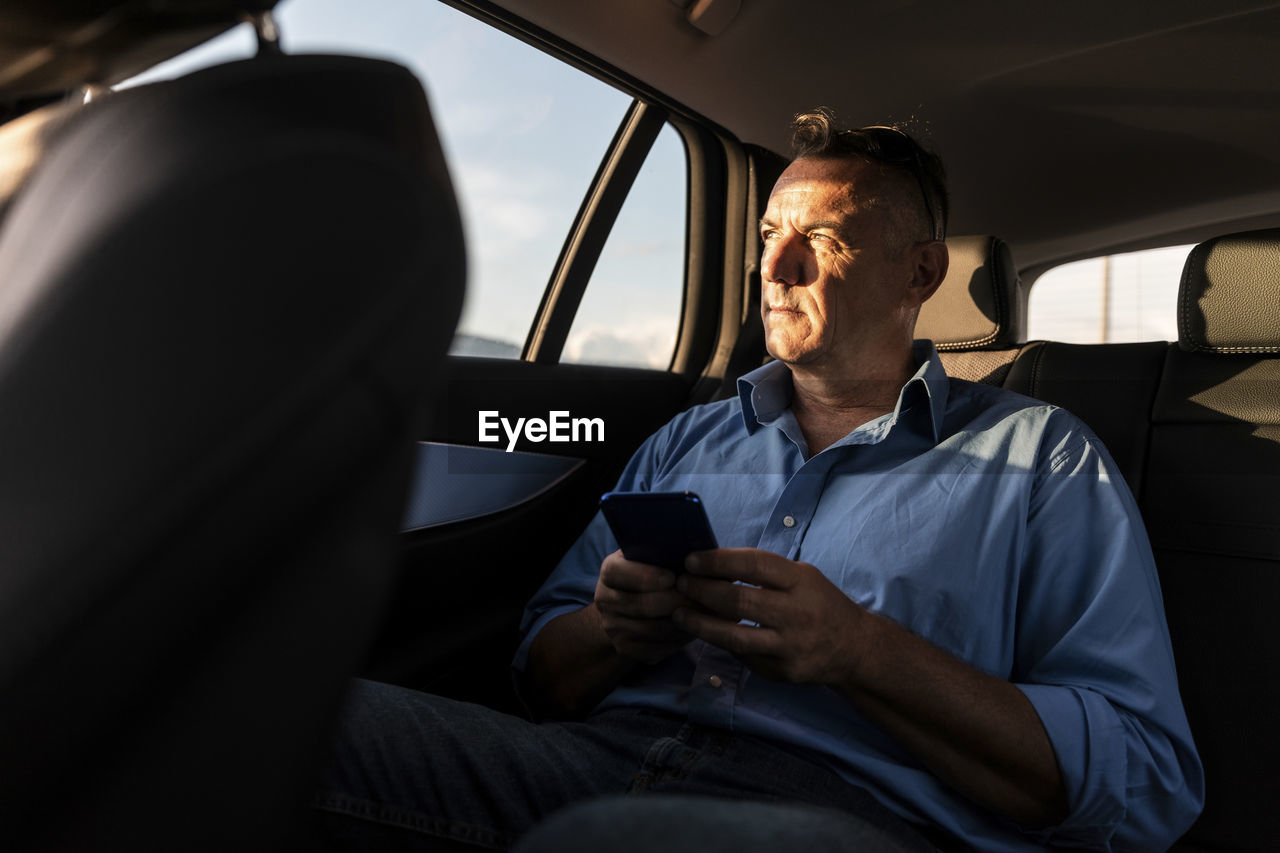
{"points": [[832, 291]]}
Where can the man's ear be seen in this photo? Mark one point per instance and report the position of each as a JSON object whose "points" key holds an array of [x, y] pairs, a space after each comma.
{"points": [[930, 268]]}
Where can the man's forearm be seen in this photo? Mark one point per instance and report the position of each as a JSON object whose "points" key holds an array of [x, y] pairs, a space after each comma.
{"points": [[977, 732], [572, 666]]}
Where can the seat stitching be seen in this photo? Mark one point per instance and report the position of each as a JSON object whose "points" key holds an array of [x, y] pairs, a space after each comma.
{"points": [[1035, 369]]}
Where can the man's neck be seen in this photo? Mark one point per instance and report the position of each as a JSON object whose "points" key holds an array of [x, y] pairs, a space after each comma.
{"points": [[829, 407]]}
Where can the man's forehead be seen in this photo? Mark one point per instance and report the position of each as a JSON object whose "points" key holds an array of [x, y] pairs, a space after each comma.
{"points": [[835, 184]]}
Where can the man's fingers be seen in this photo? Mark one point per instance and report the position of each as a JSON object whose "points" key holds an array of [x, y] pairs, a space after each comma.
{"points": [[731, 600], [648, 631], [617, 572], [741, 640], [642, 605], [646, 640], [750, 565]]}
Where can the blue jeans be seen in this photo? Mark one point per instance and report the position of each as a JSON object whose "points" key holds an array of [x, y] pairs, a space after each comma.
{"points": [[420, 772]]}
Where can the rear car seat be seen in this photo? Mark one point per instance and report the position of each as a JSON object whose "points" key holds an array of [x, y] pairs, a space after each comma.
{"points": [[1112, 387], [1195, 427], [975, 317], [1212, 506]]}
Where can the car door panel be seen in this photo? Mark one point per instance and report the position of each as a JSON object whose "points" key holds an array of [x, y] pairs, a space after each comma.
{"points": [[451, 625]]}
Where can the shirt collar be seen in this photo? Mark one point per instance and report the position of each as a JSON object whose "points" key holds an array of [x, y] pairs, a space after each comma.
{"points": [[766, 391]]}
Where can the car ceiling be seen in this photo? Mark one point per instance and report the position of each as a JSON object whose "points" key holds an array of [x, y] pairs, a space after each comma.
{"points": [[48, 47], [1067, 128]]}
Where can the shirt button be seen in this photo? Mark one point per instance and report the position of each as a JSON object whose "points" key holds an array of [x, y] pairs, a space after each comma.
{"points": [[788, 521], [715, 681]]}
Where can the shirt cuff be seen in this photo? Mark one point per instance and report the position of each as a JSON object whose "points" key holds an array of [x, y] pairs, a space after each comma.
{"points": [[521, 660], [1088, 738]]}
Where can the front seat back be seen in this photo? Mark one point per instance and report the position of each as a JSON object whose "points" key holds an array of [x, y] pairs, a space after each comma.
{"points": [[221, 301]]}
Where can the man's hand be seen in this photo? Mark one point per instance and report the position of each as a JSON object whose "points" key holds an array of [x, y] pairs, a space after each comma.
{"points": [[975, 731], [635, 602], [581, 655], [806, 625]]}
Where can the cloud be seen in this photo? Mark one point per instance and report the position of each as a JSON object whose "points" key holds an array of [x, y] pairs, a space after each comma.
{"points": [[502, 207], [640, 249], [648, 344]]}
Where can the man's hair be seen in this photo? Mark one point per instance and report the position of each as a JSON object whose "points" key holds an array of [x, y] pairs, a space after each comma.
{"points": [[912, 177]]}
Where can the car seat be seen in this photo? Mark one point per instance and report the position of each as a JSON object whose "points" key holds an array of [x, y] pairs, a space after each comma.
{"points": [[222, 302]]}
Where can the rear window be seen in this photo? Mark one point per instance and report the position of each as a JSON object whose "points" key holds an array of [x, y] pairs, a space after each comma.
{"points": [[1110, 299]]}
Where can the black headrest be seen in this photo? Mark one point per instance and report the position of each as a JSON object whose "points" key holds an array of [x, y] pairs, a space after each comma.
{"points": [[977, 305], [222, 300], [1229, 298]]}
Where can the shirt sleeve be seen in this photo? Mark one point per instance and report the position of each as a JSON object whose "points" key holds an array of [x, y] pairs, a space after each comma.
{"points": [[1095, 659], [572, 584]]}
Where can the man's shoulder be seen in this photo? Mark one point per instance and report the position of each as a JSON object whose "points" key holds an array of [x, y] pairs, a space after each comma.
{"points": [[973, 398], [703, 417], [701, 429], [976, 406]]}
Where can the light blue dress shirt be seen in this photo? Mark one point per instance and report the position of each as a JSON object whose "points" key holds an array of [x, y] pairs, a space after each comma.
{"points": [[993, 525]]}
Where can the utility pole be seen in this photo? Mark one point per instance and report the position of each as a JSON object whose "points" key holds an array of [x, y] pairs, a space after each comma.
{"points": [[1106, 299]]}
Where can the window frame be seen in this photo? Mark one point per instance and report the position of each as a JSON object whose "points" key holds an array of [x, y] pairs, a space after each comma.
{"points": [[715, 230], [592, 225]]}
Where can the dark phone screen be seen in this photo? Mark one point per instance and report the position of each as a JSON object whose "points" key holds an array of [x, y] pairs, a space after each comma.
{"points": [[658, 528]]}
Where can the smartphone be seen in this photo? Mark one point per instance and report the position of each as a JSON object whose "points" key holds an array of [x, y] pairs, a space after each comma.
{"points": [[658, 528]]}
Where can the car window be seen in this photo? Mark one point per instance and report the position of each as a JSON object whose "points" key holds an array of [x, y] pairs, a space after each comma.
{"points": [[524, 134], [1109, 299], [631, 309]]}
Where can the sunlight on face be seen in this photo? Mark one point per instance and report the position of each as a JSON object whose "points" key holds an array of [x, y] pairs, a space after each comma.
{"points": [[831, 290]]}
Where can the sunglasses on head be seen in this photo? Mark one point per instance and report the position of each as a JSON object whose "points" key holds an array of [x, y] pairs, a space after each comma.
{"points": [[892, 146]]}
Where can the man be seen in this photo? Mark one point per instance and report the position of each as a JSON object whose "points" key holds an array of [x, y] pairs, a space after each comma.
{"points": [[934, 598]]}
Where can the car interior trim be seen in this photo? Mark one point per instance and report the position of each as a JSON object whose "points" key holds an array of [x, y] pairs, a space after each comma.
{"points": [[608, 191], [457, 482]]}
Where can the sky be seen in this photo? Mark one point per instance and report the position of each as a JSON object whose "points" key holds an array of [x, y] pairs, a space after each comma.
{"points": [[524, 133]]}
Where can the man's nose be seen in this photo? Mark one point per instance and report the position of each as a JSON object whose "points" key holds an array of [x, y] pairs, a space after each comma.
{"points": [[783, 259]]}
